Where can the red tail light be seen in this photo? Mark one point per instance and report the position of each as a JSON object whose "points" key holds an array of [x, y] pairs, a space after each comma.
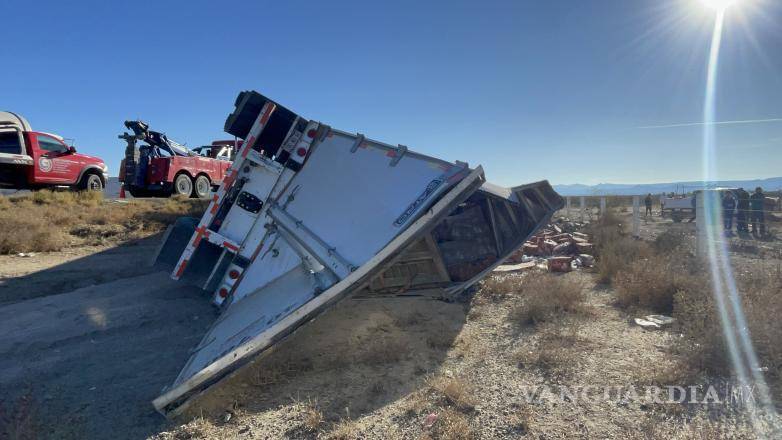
{"points": [[233, 274], [301, 151], [223, 292]]}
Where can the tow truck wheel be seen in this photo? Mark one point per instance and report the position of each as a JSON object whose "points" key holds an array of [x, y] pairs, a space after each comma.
{"points": [[183, 185], [202, 187]]}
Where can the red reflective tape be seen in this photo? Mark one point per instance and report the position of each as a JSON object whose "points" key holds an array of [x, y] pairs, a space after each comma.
{"points": [[213, 210], [248, 146], [268, 113], [181, 268], [391, 153], [229, 179], [230, 246], [199, 234]]}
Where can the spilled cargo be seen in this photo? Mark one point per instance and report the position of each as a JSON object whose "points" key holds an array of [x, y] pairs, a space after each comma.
{"points": [[308, 215]]}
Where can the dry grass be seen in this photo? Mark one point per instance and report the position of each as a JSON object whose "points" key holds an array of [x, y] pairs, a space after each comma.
{"points": [[450, 425], [53, 220], [698, 319], [556, 352], [311, 417], [546, 296], [497, 288], [652, 284], [198, 428], [344, 430], [455, 391], [614, 249]]}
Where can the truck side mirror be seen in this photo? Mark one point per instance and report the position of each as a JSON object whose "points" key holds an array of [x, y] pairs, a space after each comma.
{"points": [[71, 149]]}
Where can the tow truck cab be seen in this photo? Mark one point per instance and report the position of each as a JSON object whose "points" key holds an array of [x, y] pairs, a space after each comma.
{"points": [[32, 160]]}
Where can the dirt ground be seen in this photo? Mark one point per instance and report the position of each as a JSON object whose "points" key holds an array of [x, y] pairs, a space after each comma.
{"points": [[101, 336], [320, 384], [93, 334]]}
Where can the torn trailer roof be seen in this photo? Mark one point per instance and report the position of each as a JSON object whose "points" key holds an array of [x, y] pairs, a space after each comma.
{"points": [[309, 215]]}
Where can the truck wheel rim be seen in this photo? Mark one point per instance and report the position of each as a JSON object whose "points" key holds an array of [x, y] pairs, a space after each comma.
{"points": [[183, 187], [202, 187], [94, 184]]}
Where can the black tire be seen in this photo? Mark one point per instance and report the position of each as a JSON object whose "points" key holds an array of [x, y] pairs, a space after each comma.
{"points": [[91, 182], [202, 187], [183, 185]]}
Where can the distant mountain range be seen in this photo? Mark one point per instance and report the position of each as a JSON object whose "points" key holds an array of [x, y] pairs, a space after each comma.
{"points": [[614, 189]]}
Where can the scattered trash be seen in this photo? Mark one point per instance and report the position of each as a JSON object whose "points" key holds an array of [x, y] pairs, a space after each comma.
{"points": [[515, 267], [560, 264], [653, 322], [660, 320], [555, 240], [647, 325], [430, 420], [586, 260], [25, 255]]}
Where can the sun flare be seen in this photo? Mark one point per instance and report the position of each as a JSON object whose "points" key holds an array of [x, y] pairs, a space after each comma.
{"points": [[719, 5]]}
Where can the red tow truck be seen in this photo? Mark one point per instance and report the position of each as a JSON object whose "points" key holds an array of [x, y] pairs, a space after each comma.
{"points": [[160, 167], [34, 160]]}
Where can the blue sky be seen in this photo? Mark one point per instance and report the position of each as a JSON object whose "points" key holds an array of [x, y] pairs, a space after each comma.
{"points": [[529, 89]]}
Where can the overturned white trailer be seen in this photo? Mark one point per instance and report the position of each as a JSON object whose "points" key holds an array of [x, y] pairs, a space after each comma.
{"points": [[309, 214]]}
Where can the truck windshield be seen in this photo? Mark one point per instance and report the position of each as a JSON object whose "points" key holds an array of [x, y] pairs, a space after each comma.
{"points": [[9, 142]]}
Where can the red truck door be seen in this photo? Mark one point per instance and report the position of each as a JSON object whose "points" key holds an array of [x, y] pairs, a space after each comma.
{"points": [[53, 160]]}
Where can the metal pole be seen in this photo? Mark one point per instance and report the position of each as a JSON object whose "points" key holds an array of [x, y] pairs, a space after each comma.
{"points": [[567, 207], [602, 206], [636, 216], [583, 208]]}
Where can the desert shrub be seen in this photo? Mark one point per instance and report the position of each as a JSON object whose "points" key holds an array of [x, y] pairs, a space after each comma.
{"points": [[698, 319], [497, 288], [52, 220], [545, 296], [25, 232], [652, 284], [670, 241], [614, 249], [621, 253], [344, 430], [456, 392], [311, 416]]}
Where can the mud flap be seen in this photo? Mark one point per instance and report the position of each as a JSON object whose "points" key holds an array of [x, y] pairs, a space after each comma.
{"points": [[207, 259]]}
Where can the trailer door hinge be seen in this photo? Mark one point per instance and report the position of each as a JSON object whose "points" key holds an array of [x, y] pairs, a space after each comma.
{"points": [[401, 150]]}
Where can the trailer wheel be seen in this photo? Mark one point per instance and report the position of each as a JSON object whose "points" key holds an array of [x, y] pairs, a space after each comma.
{"points": [[183, 185], [202, 187]]}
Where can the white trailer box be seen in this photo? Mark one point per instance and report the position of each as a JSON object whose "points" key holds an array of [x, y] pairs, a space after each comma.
{"points": [[308, 215]]}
